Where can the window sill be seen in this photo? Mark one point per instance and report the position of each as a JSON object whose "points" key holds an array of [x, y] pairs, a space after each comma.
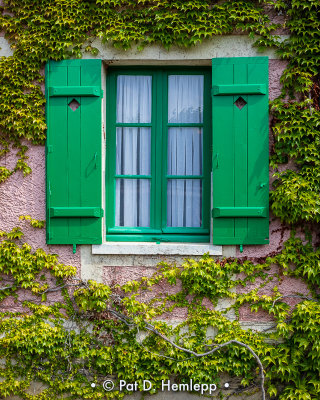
{"points": [[151, 248]]}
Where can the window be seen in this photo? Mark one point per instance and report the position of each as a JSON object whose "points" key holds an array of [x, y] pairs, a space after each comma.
{"points": [[158, 154], [162, 182]]}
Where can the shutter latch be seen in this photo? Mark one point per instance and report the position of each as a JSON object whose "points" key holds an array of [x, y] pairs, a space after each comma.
{"points": [[49, 148]]}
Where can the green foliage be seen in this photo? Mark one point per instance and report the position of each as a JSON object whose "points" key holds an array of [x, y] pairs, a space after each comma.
{"points": [[66, 333], [47, 29], [297, 137], [89, 332], [94, 297], [33, 222], [295, 198]]}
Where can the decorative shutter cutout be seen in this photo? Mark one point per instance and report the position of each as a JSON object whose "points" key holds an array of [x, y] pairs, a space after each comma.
{"points": [[240, 103], [241, 144], [73, 92], [74, 104]]}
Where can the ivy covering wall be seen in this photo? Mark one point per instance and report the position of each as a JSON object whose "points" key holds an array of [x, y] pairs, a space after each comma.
{"points": [[69, 334]]}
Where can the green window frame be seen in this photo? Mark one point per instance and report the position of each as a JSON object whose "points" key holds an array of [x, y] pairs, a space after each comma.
{"points": [[158, 230]]}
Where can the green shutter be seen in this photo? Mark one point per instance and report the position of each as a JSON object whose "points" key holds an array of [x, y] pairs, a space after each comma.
{"points": [[73, 152], [240, 169]]}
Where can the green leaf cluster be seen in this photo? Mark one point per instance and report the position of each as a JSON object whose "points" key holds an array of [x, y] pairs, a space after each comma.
{"points": [[89, 332], [49, 29], [63, 333], [296, 129]]}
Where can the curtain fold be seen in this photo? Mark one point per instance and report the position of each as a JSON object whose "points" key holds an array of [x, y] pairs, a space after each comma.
{"points": [[185, 102], [185, 150], [184, 203], [133, 151], [134, 99], [133, 202]]}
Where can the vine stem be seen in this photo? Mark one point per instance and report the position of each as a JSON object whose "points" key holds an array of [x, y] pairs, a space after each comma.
{"points": [[151, 328]]}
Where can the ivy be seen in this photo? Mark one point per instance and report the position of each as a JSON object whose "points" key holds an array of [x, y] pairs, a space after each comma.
{"points": [[88, 332], [68, 334], [47, 29], [295, 198]]}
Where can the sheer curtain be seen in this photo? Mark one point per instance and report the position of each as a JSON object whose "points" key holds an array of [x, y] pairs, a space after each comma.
{"points": [[185, 149], [133, 151], [134, 98]]}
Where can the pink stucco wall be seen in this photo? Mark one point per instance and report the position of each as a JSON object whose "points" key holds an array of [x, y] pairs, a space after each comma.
{"points": [[26, 196]]}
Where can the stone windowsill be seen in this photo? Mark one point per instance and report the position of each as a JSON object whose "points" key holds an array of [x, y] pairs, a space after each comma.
{"points": [[151, 248]]}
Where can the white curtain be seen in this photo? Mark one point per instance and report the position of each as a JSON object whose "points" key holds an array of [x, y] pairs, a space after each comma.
{"points": [[185, 102], [133, 151], [133, 202], [134, 99], [184, 199], [185, 149], [184, 196]]}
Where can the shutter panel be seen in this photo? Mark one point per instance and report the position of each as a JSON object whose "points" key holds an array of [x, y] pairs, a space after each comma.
{"points": [[240, 169], [73, 159]]}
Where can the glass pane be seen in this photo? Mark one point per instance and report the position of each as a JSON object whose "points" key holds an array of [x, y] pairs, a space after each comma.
{"points": [[133, 202], [185, 151], [185, 102], [134, 99], [184, 203], [133, 151]]}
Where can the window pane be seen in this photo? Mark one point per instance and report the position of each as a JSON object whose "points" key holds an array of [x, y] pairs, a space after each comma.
{"points": [[185, 151], [185, 102], [134, 99], [184, 203], [133, 151], [133, 202]]}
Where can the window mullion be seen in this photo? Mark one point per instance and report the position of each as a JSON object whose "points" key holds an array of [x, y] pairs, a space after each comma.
{"points": [[156, 149], [111, 155], [164, 152]]}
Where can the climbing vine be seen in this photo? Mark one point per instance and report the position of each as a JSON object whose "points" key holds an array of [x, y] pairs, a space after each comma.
{"points": [[295, 198], [69, 335]]}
